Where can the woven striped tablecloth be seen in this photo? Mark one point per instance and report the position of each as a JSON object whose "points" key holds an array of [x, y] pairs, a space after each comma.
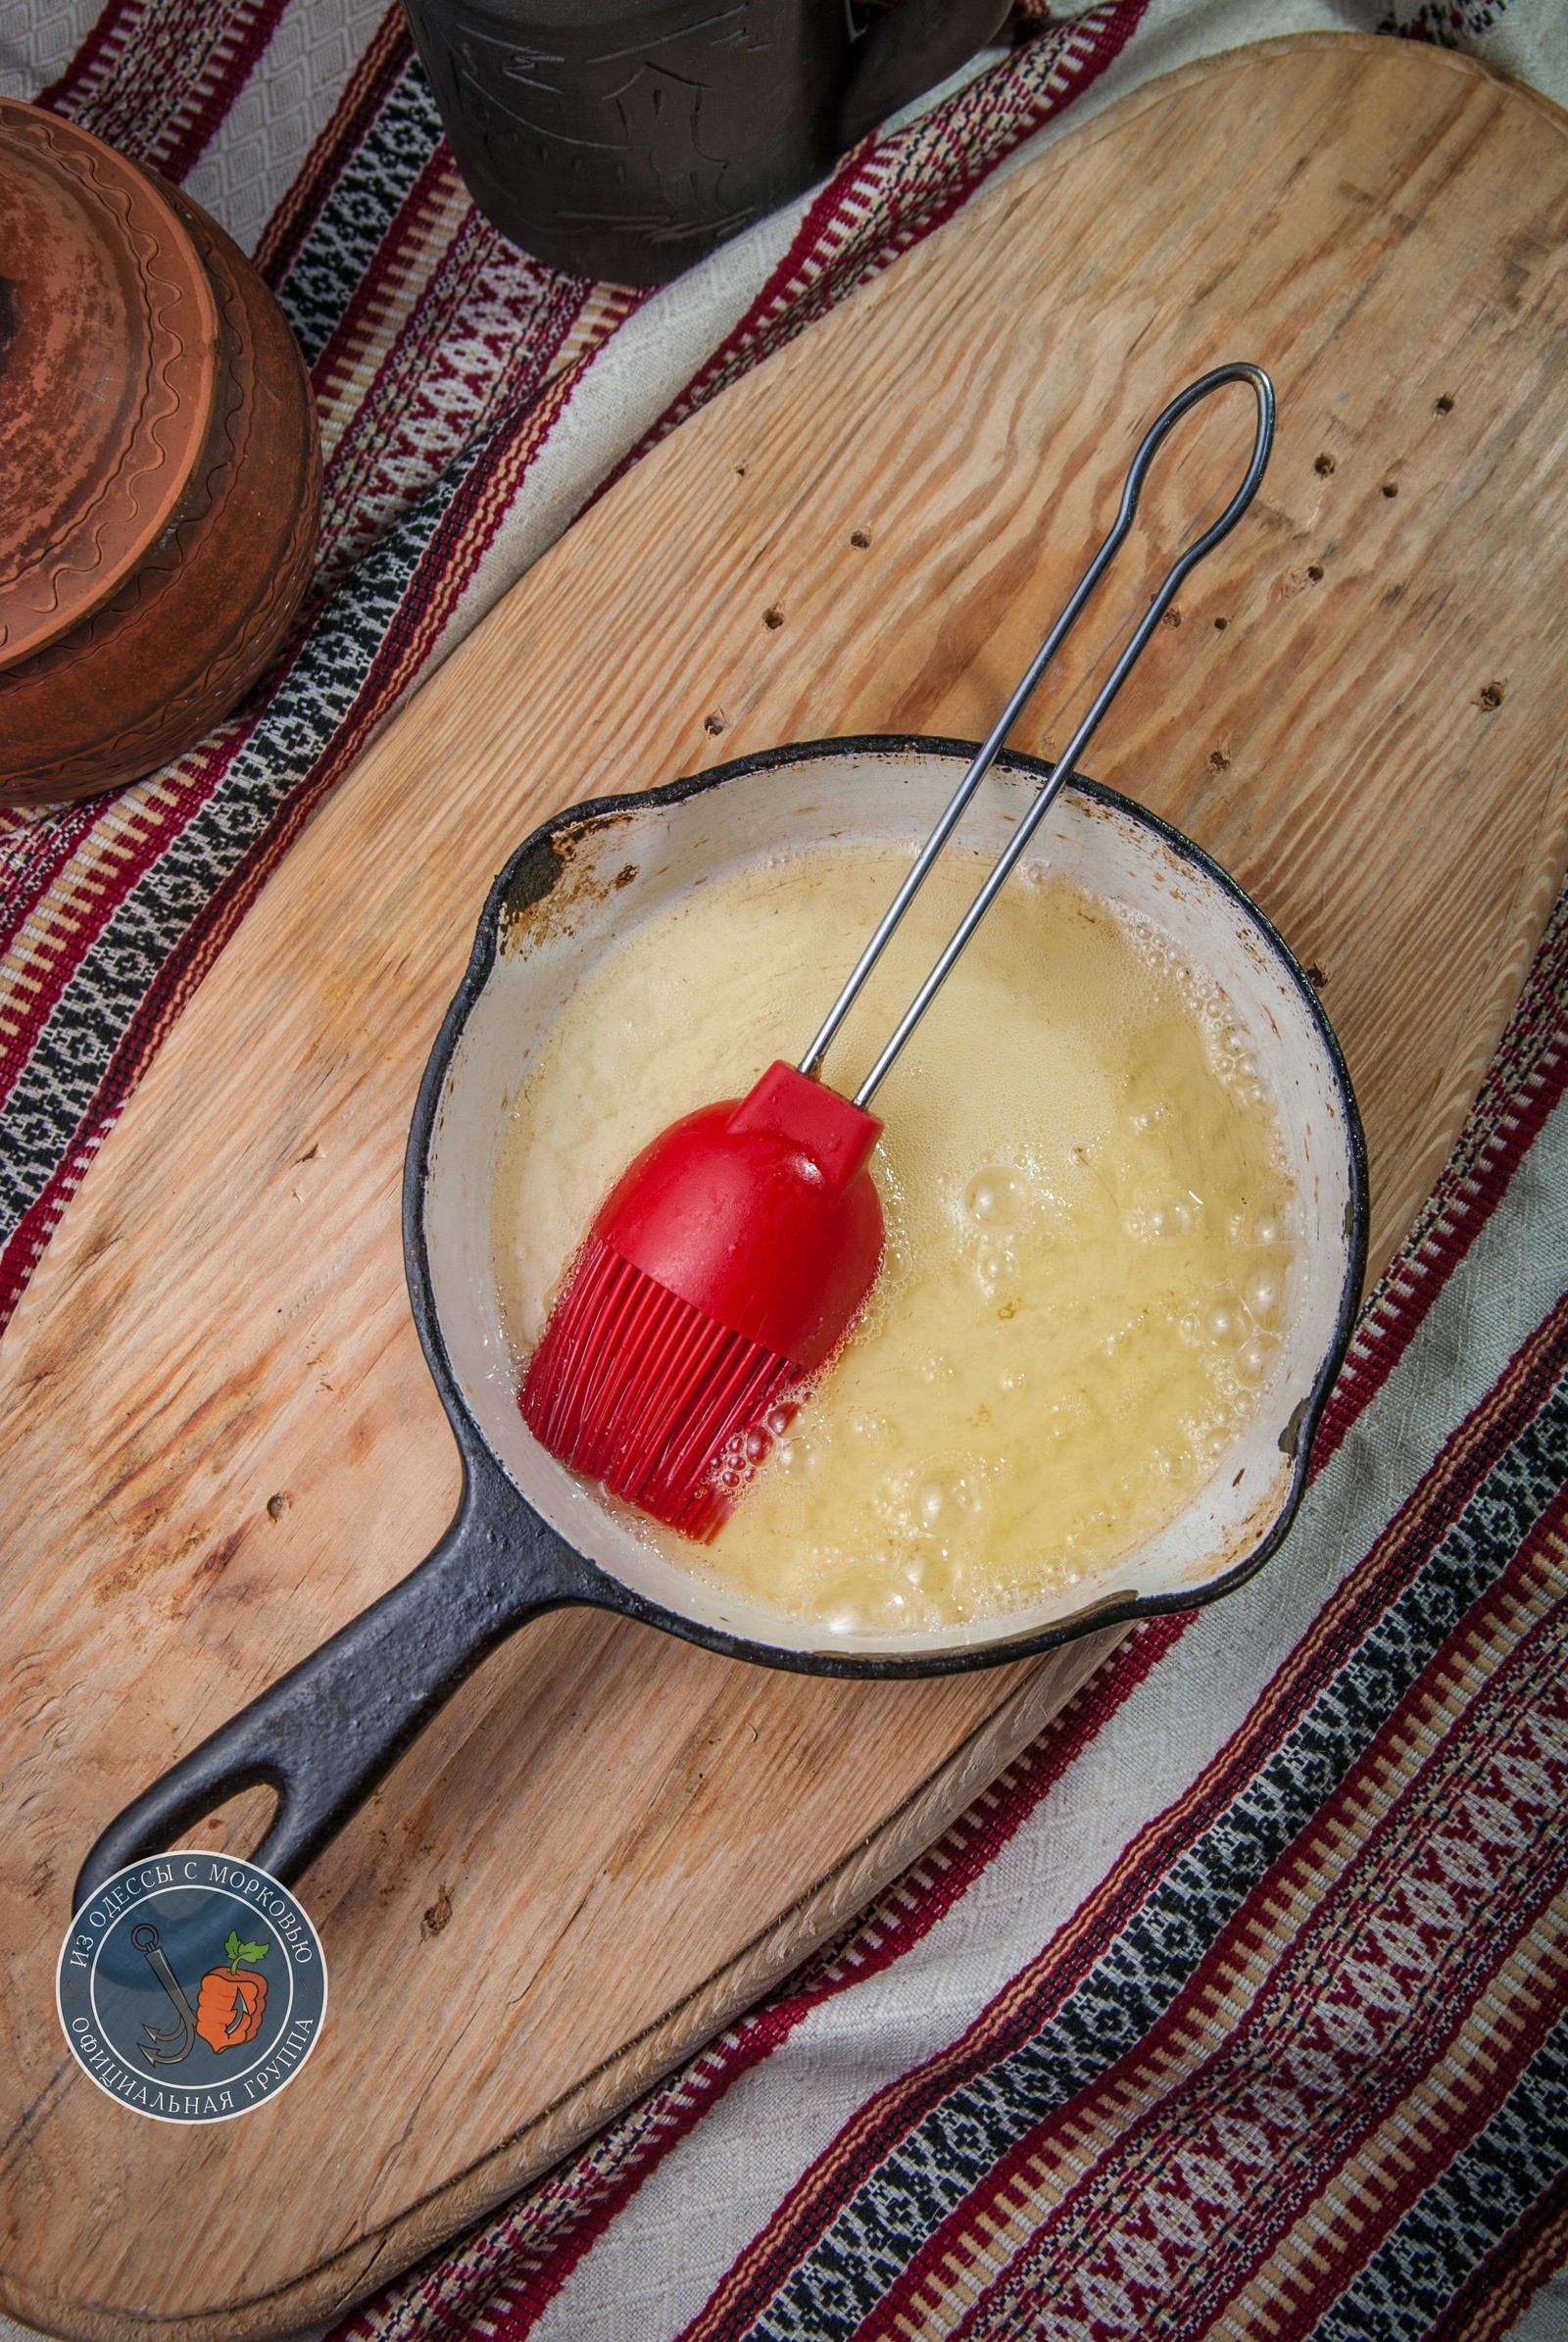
{"points": [[1236, 2007]]}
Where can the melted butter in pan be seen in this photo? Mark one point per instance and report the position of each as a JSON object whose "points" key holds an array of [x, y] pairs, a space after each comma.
{"points": [[1088, 1225]]}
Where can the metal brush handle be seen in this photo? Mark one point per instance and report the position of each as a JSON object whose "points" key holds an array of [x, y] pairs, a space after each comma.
{"points": [[1185, 563]]}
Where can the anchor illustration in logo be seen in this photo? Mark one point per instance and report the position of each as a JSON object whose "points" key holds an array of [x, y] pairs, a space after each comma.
{"points": [[228, 2003]]}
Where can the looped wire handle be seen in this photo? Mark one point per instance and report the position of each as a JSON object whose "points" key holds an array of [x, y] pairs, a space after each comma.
{"points": [[1186, 562]]}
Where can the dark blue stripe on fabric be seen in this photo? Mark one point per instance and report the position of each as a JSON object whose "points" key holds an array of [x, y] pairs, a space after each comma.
{"points": [[1141, 1972], [1484, 2192], [349, 229]]}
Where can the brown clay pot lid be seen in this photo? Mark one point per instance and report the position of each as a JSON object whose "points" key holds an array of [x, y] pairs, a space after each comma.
{"points": [[107, 372]]}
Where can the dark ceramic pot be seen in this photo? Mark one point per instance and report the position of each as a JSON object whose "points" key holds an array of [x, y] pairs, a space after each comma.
{"points": [[624, 138], [529, 1535]]}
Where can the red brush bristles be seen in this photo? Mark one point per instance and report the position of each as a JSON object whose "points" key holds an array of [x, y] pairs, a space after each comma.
{"points": [[641, 1390], [719, 1274]]}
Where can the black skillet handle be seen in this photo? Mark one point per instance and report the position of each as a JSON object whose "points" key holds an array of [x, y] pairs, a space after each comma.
{"points": [[326, 1733], [912, 48]]}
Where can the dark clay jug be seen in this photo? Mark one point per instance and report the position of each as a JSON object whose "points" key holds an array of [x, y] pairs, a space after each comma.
{"points": [[624, 138]]}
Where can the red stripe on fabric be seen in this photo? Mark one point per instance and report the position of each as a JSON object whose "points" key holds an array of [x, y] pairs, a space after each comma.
{"points": [[521, 2302], [466, 530], [237, 60], [356, 329], [33, 857], [1390, 1328], [474, 249], [137, 1044], [946, 1871], [1494, 2079], [95, 901], [108, 30], [1090, 49], [134, 34], [379, 70], [420, 368], [1032, 1996]]}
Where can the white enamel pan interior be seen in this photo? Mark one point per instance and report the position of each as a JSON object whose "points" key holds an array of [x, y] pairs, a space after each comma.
{"points": [[617, 864]]}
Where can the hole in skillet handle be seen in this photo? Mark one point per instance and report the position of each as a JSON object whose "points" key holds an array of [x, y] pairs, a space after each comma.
{"points": [[324, 1736], [239, 1825]]}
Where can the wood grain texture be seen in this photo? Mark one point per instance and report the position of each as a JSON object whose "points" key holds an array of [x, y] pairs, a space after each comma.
{"points": [[222, 1440]]}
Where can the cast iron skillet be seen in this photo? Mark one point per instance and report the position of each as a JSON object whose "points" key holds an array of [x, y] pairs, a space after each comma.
{"points": [[324, 1736]]}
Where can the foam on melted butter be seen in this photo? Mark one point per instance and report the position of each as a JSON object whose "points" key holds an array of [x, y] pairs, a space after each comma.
{"points": [[1088, 1225]]}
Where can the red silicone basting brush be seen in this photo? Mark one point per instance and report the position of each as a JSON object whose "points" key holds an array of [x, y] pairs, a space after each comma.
{"points": [[729, 1261]]}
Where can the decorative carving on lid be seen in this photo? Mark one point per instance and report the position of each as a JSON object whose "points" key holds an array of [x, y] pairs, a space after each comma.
{"points": [[109, 367]]}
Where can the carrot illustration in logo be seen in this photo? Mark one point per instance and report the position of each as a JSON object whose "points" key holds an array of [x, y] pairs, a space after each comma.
{"points": [[230, 2005]]}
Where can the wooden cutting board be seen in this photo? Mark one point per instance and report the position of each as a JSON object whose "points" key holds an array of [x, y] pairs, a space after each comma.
{"points": [[220, 1438]]}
